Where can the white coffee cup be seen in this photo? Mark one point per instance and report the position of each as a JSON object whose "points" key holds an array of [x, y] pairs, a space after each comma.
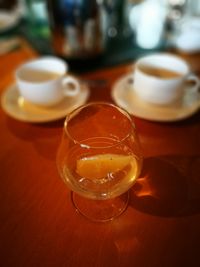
{"points": [[44, 81], [163, 78]]}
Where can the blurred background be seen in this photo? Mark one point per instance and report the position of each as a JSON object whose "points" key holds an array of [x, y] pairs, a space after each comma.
{"points": [[96, 33]]}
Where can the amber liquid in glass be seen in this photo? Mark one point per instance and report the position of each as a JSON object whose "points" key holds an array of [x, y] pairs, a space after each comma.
{"points": [[99, 167]]}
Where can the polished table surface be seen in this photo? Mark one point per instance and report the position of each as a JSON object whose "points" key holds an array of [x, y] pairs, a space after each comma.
{"points": [[40, 227]]}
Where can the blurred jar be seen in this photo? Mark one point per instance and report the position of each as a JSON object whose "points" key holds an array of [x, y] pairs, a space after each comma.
{"points": [[77, 27], [147, 19], [115, 12], [37, 17], [184, 19]]}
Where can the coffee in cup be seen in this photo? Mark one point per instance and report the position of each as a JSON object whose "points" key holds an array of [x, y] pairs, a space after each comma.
{"points": [[44, 81], [163, 78]]}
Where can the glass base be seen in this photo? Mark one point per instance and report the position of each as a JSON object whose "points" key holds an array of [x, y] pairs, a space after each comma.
{"points": [[100, 210]]}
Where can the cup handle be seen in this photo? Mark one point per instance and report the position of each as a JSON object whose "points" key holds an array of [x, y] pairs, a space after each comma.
{"points": [[70, 85], [196, 87]]}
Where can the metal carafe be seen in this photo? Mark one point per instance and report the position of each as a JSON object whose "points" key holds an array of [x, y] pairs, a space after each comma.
{"points": [[77, 28]]}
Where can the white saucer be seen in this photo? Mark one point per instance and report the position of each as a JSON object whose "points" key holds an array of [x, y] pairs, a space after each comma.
{"points": [[124, 96], [15, 106]]}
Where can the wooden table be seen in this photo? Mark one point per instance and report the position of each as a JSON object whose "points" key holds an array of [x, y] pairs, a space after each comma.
{"points": [[38, 224]]}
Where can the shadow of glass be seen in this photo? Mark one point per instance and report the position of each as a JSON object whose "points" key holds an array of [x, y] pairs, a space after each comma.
{"points": [[164, 190]]}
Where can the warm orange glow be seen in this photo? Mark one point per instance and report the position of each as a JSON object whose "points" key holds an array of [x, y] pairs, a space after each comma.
{"points": [[146, 188]]}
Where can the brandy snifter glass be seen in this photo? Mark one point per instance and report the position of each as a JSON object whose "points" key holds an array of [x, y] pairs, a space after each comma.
{"points": [[99, 159]]}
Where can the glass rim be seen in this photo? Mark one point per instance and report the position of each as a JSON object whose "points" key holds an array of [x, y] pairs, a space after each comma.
{"points": [[121, 110]]}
